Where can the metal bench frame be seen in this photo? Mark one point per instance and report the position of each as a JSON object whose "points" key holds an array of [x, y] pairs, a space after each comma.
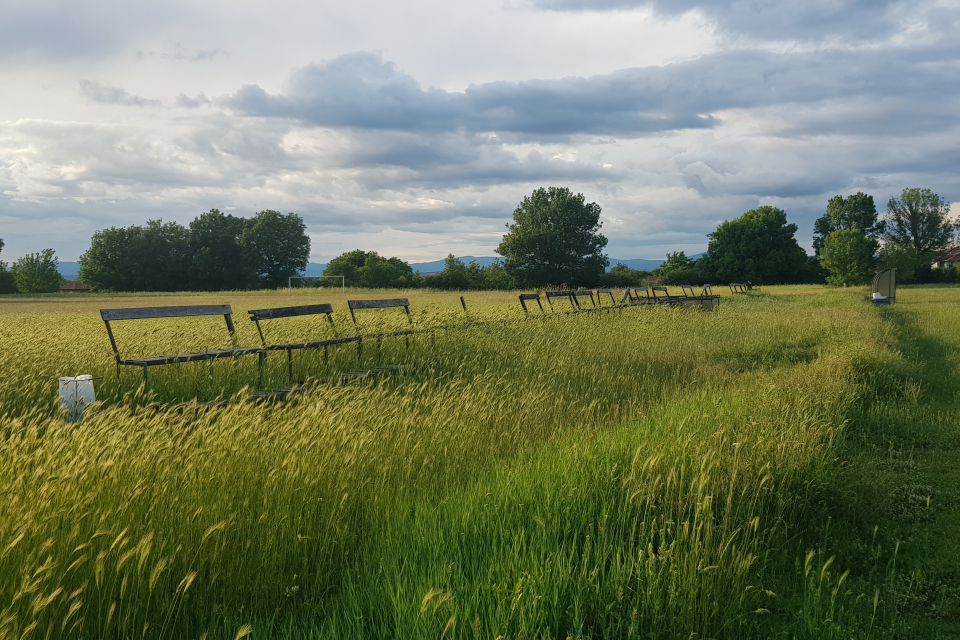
{"points": [[144, 313], [256, 315], [738, 287]]}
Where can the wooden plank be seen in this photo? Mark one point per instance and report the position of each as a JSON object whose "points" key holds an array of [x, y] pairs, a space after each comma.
{"points": [[583, 293], [316, 344], [190, 357], [141, 313], [378, 304], [559, 294], [529, 296], [290, 312]]}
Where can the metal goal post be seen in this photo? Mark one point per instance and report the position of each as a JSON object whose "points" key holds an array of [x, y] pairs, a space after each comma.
{"points": [[292, 278]]}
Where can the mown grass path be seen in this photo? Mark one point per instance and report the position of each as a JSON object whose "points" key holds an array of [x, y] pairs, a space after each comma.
{"points": [[904, 478]]}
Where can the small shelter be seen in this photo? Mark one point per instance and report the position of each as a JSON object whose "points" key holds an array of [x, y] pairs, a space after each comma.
{"points": [[75, 286], [885, 287]]}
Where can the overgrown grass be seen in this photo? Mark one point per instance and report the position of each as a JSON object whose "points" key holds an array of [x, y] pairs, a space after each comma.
{"points": [[654, 473]]}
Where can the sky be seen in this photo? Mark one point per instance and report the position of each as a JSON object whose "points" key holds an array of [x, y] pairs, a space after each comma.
{"points": [[415, 129]]}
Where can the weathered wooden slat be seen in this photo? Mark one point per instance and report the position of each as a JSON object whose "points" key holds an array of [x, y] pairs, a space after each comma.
{"points": [[378, 304], [190, 357], [529, 296], [560, 294], [290, 312], [141, 313], [314, 344]]}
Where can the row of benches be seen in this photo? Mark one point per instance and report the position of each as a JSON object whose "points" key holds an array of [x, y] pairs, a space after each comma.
{"points": [[705, 299], [257, 316]]}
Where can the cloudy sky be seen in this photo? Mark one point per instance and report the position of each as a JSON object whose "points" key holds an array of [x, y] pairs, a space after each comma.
{"points": [[415, 128]]}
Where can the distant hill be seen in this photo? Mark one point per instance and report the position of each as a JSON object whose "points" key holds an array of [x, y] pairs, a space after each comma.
{"points": [[484, 261], [70, 270]]}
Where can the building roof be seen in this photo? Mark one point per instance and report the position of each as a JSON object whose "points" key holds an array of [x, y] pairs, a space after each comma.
{"points": [[74, 285], [952, 255]]}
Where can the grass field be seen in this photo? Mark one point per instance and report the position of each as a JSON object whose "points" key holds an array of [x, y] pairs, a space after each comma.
{"points": [[785, 467]]}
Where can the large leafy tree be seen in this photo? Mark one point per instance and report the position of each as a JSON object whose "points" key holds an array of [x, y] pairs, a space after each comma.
{"points": [[218, 261], [37, 273], [678, 269], [855, 212], [370, 269], [849, 256], [7, 284], [156, 257], [276, 246], [758, 247], [555, 239], [920, 218]]}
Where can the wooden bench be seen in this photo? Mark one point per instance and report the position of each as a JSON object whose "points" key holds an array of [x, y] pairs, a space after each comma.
{"points": [[606, 291], [572, 296], [326, 309], [530, 296], [738, 287], [143, 313], [561, 294], [389, 303]]}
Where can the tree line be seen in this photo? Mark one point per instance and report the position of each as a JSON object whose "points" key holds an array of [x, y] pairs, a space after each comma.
{"points": [[554, 239], [217, 252]]}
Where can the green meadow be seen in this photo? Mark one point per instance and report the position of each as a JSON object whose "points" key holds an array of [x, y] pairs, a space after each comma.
{"points": [[787, 466]]}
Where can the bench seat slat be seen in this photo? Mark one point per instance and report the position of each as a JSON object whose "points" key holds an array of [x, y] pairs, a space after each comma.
{"points": [[191, 357], [140, 313], [290, 312], [314, 344], [378, 304]]}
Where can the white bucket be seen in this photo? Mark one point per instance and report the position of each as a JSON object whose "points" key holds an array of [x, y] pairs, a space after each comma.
{"points": [[879, 296], [76, 392]]}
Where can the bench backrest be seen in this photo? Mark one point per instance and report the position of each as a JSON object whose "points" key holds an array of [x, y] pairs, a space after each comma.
{"points": [[569, 295], [706, 290], [256, 315], [577, 294], [662, 290], [688, 291], [387, 303], [143, 313], [530, 296], [607, 291], [738, 287]]}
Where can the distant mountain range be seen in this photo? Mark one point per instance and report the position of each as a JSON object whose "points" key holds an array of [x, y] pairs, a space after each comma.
{"points": [[70, 270], [641, 264]]}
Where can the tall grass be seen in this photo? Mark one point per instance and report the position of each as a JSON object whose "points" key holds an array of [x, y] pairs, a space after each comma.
{"points": [[649, 473]]}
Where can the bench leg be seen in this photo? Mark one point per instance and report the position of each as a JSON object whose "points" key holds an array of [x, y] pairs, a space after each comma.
{"points": [[146, 382], [326, 357], [262, 357], [359, 350], [290, 365]]}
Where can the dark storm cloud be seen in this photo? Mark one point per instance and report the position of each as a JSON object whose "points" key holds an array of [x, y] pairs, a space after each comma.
{"points": [[767, 19], [361, 90], [364, 92]]}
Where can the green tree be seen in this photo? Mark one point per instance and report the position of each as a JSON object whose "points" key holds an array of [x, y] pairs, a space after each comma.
{"points": [[678, 269], [849, 256], [471, 277], [555, 239], [855, 212], [369, 269], [37, 273], [156, 257], [623, 276], [276, 246], [758, 247], [7, 283], [920, 218], [902, 257], [218, 262]]}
